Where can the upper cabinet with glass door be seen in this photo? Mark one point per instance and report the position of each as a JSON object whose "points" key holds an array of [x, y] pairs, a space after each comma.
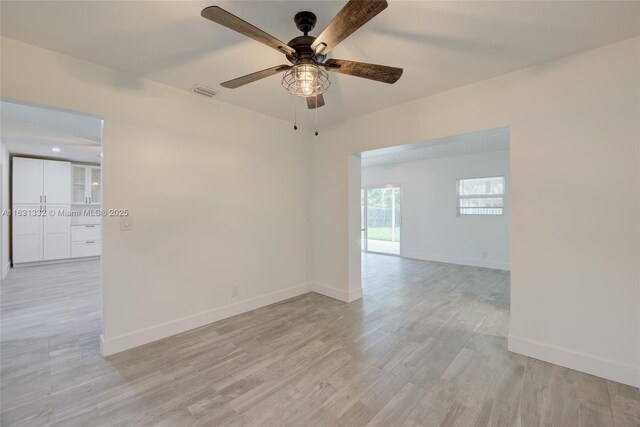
{"points": [[79, 177], [96, 183], [86, 185]]}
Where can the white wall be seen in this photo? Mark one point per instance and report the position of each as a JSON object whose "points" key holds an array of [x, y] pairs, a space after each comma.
{"points": [[219, 196], [431, 229], [574, 133]]}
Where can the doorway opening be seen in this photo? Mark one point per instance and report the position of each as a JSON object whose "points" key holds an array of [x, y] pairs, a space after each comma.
{"points": [[444, 203], [51, 230], [381, 220]]}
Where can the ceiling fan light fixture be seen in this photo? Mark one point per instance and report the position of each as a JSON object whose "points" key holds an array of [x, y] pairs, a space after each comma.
{"points": [[306, 79]]}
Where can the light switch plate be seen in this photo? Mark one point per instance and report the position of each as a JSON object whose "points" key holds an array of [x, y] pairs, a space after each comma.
{"points": [[126, 224]]}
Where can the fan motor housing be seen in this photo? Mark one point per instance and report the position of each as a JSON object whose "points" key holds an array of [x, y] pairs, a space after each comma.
{"points": [[305, 21], [302, 46]]}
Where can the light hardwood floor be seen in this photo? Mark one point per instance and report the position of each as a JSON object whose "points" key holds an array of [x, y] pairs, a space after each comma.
{"points": [[426, 346]]}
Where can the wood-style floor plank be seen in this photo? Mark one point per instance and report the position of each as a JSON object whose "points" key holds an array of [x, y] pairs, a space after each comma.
{"points": [[426, 346]]}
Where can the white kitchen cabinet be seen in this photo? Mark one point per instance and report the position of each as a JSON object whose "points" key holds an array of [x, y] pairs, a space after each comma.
{"points": [[39, 187], [85, 232], [57, 190], [41, 181], [87, 181], [85, 249], [28, 185], [39, 236], [79, 184], [96, 185], [28, 232], [85, 240], [57, 233]]}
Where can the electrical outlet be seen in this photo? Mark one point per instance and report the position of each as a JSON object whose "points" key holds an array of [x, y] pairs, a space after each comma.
{"points": [[126, 224], [235, 290]]}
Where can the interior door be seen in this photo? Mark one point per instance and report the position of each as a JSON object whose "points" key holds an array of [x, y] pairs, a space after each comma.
{"points": [[57, 176], [27, 180]]}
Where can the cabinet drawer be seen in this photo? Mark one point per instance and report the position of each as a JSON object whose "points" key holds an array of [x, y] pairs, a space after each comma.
{"points": [[82, 249], [81, 233]]}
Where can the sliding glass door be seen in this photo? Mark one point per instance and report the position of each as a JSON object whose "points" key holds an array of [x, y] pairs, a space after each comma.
{"points": [[380, 216]]}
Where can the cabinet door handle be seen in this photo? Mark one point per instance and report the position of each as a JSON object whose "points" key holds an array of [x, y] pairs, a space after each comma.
{"points": [[45, 199], [40, 199], [90, 241], [89, 226]]}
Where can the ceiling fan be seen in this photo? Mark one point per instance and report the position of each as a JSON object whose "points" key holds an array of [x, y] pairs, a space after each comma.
{"points": [[306, 77]]}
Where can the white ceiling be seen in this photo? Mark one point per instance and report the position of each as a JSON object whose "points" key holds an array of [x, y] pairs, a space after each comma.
{"points": [[35, 131], [458, 145], [440, 45]]}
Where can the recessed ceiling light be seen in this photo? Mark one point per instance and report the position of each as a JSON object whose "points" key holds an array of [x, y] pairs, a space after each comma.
{"points": [[55, 149]]}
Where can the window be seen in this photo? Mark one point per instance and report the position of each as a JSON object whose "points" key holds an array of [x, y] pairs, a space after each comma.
{"points": [[481, 196]]}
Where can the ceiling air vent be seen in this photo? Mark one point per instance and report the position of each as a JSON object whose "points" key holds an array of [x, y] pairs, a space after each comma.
{"points": [[204, 91]]}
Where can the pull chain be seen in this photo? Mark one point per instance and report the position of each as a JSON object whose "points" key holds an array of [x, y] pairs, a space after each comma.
{"points": [[295, 113], [316, 115]]}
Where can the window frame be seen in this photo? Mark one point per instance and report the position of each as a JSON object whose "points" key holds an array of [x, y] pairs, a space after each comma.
{"points": [[488, 196]]}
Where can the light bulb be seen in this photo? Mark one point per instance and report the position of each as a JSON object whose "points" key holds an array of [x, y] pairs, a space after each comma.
{"points": [[306, 79], [307, 88]]}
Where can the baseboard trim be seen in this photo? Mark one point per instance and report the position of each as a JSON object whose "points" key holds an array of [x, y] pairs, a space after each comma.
{"points": [[605, 368], [334, 293], [55, 261], [143, 336], [330, 292], [460, 261], [355, 295]]}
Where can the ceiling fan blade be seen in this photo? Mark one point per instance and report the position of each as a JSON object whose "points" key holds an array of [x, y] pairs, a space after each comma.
{"points": [[229, 20], [353, 15], [250, 78], [315, 102], [380, 73]]}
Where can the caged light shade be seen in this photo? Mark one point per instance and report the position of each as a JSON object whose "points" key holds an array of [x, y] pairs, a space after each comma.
{"points": [[306, 80]]}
